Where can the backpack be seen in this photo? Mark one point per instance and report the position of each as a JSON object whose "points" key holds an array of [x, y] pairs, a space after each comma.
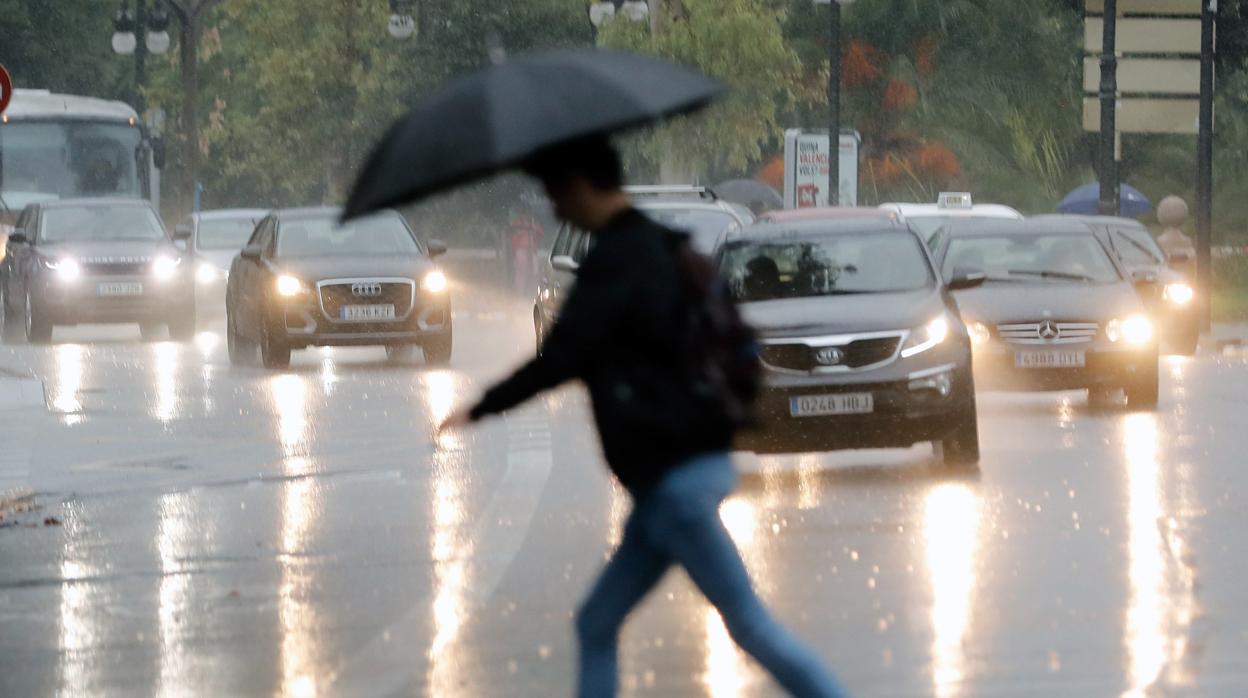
{"points": [[720, 351]]}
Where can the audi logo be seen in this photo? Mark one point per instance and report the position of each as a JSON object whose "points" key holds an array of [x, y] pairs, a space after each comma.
{"points": [[366, 289]]}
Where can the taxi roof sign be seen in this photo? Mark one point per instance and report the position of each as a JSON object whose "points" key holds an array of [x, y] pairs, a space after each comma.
{"points": [[954, 199]]}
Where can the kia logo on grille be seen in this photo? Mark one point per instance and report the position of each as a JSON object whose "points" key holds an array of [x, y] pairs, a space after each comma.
{"points": [[830, 356], [366, 289]]}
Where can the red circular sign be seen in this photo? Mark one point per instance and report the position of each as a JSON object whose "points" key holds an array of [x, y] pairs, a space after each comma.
{"points": [[6, 89]]}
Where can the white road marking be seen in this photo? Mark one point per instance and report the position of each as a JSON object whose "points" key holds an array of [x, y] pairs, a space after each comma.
{"points": [[384, 666]]}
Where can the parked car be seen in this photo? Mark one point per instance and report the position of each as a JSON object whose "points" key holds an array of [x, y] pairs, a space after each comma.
{"points": [[1168, 293], [76, 261], [1056, 311], [827, 213], [215, 237], [927, 219], [691, 209], [862, 344], [303, 279]]}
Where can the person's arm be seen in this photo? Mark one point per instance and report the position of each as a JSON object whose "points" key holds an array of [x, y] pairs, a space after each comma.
{"points": [[584, 325]]}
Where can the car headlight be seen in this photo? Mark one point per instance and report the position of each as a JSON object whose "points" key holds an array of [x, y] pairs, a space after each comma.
{"points": [[927, 336], [206, 273], [288, 285], [434, 282], [164, 268], [980, 334], [1178, 293], [1136, 330], [66, 269]]}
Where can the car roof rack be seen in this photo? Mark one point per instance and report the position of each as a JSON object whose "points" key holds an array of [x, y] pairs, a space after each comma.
{"points": [[671, 190]]}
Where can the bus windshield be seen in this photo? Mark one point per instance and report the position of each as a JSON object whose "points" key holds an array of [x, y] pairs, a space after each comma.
{"points": [[42, 160]]}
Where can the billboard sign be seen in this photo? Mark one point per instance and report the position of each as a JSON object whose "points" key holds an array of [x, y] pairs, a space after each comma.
{"points": [[806, 168]]}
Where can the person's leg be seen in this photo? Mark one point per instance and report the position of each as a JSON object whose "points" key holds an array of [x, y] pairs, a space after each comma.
{"points": [[634, 569], [683, 517]]}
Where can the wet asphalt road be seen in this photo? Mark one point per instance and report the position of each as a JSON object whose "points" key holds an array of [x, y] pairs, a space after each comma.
{"points": [[245, 532]]}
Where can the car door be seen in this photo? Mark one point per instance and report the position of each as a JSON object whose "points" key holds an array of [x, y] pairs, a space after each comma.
{"points": [[246, 277], [550, 282], [21, 258]]}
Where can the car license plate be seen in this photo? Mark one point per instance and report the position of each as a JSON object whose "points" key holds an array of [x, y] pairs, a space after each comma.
{"points": [[120, 288], [837, 403], [1049, 359], [367, 312]]}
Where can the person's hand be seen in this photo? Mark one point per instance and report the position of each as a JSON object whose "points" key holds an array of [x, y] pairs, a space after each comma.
{"points": [[459, 417]]}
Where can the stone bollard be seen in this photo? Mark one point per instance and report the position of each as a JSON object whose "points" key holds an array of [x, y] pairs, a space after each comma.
{"points": [[1179, 248]]}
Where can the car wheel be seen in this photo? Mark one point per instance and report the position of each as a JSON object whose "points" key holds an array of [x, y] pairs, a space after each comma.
{"points": [[1100, 398], [38, 329], [274, 351], [438, 349], [400, 352], [242, 350], [1144, 390], [1186, 345], [10, 323], [960, 447], [182, 326], [150, 331]]}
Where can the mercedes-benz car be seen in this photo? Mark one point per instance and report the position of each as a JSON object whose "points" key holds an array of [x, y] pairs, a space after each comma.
{"points": [[305, 279], [1168, 293], [215, 237], [82, 261], [861, 343], [1056, 310]]}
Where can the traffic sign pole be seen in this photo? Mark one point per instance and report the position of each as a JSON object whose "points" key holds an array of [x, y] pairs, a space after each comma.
{"points": [[1204, 165], [1108, 93]]}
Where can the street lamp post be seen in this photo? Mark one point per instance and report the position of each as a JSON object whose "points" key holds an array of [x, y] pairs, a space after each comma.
{"points": [[834, 99], [604, 11], [402, 24], [140, 33]]}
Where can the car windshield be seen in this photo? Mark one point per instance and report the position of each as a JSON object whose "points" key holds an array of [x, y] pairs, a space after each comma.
{"points": [[382, 234], [705, 228], [806, 265], [1052, 258], [99, 223], [223, 233]]}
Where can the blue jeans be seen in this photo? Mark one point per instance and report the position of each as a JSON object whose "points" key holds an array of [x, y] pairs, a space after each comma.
{"points": [[677, 522]]}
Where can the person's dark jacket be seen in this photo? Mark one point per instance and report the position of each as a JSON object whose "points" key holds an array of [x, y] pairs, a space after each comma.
{"points": [[619, 331]]}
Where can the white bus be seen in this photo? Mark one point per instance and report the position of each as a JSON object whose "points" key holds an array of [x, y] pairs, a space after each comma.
{"points": [[56, 146]]}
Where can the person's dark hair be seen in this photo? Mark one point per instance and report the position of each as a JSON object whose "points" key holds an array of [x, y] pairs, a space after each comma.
{"points": [[593, 158]]}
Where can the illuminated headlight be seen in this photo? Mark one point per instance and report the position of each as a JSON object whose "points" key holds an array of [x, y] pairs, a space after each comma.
{"points": [[66, 269], [941, 383], [1135, 330], [164, 268], [288, 285], [927, 336], [206, 273], [434, 282], [1179, 294], [980, 334]]}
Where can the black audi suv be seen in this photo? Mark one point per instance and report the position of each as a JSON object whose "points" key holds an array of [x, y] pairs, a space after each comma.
{"points": [[77, 261], [861, 343], [304, 279], [1056, 311]]}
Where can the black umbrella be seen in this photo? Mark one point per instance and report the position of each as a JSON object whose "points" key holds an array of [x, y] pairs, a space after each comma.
{"points": [[749, 192], [497, 117]]}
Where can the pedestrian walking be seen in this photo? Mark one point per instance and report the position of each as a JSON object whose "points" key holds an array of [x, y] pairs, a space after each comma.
{"points": [[624, 332]]}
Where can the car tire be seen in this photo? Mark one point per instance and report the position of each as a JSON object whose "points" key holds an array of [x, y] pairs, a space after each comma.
{"points": [[1186, 345], [242, 350], [150, 331], [10, 323], [38, 329], [274, 351], [182, 326], [437, 349], [960, 447], [1144, 390], [398, 353]]}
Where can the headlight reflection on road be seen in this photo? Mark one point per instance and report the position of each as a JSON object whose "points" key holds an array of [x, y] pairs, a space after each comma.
{"points": [[79, 604], [299, 622], [174, 545], [165, 370], [289, 395], [451, 551], [725, 672], [951, 522], [67, 398]]}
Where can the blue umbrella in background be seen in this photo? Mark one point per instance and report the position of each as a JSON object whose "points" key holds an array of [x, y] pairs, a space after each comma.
{"points": [[1086, 201]]}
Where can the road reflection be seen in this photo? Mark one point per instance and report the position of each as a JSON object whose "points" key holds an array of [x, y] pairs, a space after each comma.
{"points": [[165, 377], [951, 523], [725, 670], [1161, 599], [178, 528], [66, 393], [79, 605]]}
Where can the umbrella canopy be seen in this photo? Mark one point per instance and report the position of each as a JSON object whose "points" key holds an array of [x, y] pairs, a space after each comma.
{"points": [[1086, 201], [749, 192], [495, 118]]}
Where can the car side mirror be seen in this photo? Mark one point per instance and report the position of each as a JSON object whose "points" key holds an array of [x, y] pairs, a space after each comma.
{"points": [[252, 252], [18, 237], [564, 263], [964, 278], [182, 232], [437, 248]]}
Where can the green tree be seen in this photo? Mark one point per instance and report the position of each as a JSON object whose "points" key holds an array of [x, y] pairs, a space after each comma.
{"points": [[62, 46]]}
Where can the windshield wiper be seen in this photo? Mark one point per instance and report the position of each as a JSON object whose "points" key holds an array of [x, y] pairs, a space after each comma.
{"points": [[1048, 274]]}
